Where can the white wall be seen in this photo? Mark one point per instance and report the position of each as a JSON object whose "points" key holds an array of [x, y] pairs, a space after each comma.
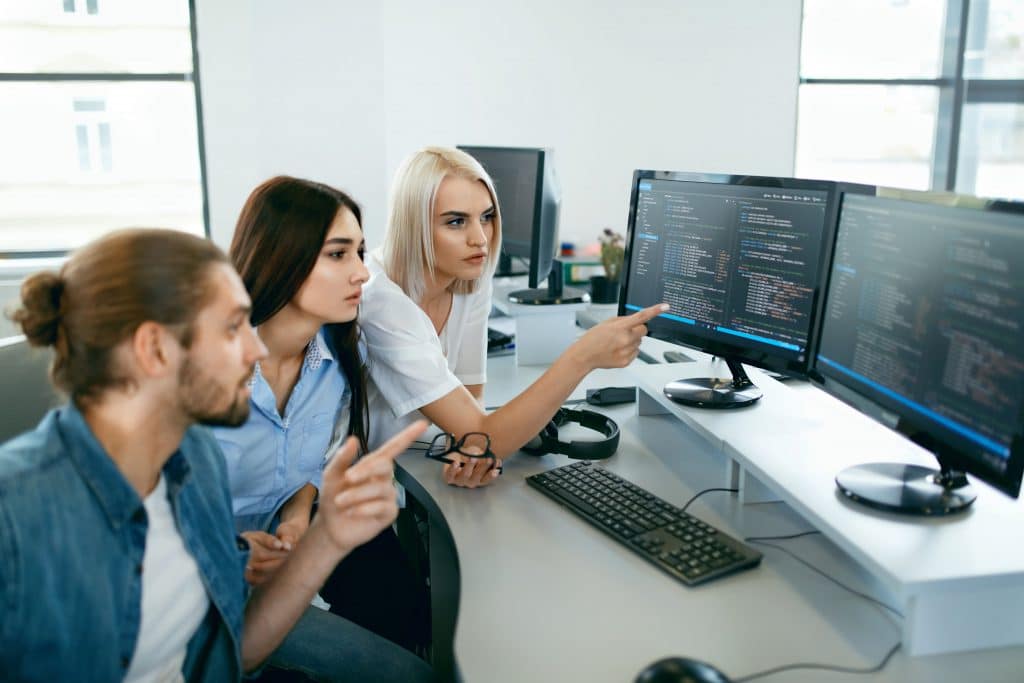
{"points": [[290, 88], [342, 91]]}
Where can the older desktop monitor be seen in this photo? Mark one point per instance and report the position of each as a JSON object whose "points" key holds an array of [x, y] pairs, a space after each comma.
{"points": [[740, 260], [529, 198], [925, 316]]}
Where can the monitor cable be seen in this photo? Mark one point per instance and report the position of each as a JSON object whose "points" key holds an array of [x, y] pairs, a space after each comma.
{"points": [[766, 541], [701, 493], [822, 667]]}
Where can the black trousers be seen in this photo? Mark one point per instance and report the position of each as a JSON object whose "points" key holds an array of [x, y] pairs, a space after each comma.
{"points": [[377, 587]]}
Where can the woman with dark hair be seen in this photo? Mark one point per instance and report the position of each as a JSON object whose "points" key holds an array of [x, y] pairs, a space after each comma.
{"points": [[298, 246]]}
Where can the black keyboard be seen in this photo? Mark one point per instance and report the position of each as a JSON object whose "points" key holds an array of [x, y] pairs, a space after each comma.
{"points": [[497, 340], [688, 549]]}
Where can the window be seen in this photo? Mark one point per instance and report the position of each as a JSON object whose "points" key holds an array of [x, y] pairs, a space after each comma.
{"points": [[925, 94], [92, 132], [89, 6], [101, 128]]}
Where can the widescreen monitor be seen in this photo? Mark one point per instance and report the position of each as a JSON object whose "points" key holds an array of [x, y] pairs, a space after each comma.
{"points": [[529, 199], [740, 260], [925, 316]]}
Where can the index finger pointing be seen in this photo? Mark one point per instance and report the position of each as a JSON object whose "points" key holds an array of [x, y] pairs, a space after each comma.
{"points": [[643, 315], [401, 441], [343, 457]]}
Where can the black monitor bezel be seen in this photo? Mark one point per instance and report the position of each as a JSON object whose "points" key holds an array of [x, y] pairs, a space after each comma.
{"points": [[754, 353], [543, 156], [938, 439], [547, 184]]}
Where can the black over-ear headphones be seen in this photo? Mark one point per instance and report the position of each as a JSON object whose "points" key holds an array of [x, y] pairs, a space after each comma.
{"points": [[548, 442]]}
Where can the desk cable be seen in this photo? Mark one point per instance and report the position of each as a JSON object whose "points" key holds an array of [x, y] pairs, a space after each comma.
{"points": [[765, 541], [822, 667], [701, 493]]}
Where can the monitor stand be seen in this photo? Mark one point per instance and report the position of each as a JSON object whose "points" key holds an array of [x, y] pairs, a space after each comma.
{"points": [[505, 269], [554, 293], [907, 489], [713, 392]]}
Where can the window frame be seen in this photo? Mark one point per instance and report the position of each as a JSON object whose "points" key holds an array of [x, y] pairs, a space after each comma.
{"points": [[177, 77], [955, 92]]}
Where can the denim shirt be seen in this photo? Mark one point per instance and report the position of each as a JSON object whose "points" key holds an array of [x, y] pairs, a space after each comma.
{"points": [[72, 538], [271, 457]]}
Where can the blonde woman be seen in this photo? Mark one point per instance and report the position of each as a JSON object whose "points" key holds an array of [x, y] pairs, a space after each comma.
{"points": [[425, 309]]}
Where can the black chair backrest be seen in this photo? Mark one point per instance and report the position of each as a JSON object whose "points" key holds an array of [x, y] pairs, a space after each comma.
{"points": [[25, 390]]}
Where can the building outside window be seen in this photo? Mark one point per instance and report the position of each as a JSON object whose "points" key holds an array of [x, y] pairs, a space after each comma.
{"points": [[100, 113], [924, 94]]}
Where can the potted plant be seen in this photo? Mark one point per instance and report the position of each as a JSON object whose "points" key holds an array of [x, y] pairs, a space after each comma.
{"points": [[604, 289]]}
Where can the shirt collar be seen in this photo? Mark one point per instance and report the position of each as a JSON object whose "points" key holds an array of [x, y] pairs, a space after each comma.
{"points": [[113, 492], [317, 351]]}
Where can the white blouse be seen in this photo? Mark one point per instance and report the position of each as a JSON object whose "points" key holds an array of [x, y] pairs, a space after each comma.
{"points": [[409, 364]]}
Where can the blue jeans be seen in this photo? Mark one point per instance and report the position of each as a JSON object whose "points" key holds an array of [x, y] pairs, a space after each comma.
{"points": [[331, 649]]}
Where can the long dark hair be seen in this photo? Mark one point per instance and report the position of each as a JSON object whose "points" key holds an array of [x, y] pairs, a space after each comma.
{"points": [[277, 240]]}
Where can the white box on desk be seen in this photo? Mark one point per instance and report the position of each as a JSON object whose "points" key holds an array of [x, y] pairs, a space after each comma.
{"points": [[543, 332]]}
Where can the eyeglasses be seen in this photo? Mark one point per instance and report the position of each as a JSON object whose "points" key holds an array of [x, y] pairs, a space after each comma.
{"points": [[471, 445]]}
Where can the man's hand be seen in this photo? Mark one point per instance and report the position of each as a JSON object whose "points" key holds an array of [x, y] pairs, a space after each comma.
{"points": [[358, 501], [266, 554]]}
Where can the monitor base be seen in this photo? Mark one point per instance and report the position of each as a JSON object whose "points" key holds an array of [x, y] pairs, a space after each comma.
{"points": [[711, 392], [715, 393], [544, 297], [906, 489]]}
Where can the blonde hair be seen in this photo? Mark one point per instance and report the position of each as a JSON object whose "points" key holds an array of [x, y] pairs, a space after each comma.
{"points": [[409, 243]]}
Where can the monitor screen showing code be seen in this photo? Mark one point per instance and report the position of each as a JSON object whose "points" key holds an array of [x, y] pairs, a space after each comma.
{"points": [[735, 262], [925, 308]]}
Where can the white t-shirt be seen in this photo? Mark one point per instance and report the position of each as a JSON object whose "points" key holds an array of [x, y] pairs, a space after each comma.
{"points": [[174, 600], [409, 364]]}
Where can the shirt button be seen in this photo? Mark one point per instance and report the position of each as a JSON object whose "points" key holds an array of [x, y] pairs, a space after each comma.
{"points": [[138, 569], [125, 662]]}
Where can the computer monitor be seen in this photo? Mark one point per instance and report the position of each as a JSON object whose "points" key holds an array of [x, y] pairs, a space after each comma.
{"points": [[528, 194], [925, 316], [740, 260]]}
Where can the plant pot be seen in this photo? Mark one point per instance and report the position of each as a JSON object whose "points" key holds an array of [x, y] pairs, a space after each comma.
{"points": [[603, 290]]}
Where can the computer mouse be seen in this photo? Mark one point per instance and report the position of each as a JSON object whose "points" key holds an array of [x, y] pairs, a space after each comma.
{"points": [[681, 670]]}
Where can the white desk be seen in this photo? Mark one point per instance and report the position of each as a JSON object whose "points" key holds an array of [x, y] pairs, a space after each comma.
{"points": [[536, 594]]}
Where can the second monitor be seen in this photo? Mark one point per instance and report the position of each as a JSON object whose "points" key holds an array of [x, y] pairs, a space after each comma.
{"points": [[740, 260], [529, 200]]}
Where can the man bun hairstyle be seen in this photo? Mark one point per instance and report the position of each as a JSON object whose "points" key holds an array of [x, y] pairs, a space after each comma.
{"points": [[104, 292], [39, 314]]}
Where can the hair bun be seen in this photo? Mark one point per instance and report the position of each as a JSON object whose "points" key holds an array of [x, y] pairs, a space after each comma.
{"points": [[39, 314]]}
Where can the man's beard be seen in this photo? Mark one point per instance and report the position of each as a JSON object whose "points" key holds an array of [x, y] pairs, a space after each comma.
{"points": [[203, 399]]}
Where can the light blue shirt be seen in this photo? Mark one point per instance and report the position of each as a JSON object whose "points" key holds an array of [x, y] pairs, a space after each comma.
{"points": [[271, 457]]}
